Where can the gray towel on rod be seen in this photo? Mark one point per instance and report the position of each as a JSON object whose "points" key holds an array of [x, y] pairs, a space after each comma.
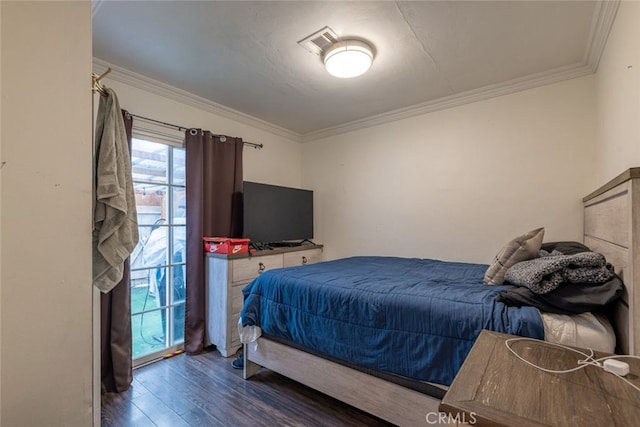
{"points": [[115, 224]]}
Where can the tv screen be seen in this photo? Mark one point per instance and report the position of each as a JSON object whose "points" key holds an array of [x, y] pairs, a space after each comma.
{"points": [[276, 214]]}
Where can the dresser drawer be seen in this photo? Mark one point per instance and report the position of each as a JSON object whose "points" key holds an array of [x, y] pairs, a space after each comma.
{"points": [[246, 269], [310, 256], [237, 299]]}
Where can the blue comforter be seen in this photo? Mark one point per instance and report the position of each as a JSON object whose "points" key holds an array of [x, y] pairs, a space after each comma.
{"points": [[413, 317]]}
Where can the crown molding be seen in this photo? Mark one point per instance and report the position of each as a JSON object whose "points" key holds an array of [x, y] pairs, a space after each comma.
{"points": [[600, 28], [487, 92], [604, 17], [156, 87], [95, 6]]}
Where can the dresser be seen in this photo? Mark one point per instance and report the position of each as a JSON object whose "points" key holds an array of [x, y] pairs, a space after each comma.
{"points": [[226, 275]]}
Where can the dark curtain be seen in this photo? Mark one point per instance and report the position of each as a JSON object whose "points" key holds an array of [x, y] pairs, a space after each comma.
{"points": [[214, 193], [115, 323]]}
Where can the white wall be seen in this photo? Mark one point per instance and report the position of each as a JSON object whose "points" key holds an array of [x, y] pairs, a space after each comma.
{"points": [[618, 96], [46, 375], [279, 162], [457, 184], [442, 185]]}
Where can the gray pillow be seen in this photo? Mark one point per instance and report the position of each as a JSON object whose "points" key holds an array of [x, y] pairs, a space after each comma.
{"points": [[521, 248]]}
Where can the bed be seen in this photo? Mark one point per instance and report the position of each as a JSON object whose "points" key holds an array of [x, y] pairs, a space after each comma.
{"points": [[303, 342], [416, 318]]}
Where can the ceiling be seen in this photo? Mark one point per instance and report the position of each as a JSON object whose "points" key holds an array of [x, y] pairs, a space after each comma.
{"points": [[243, 56]]}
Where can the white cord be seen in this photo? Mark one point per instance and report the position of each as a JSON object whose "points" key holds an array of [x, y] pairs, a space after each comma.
{"points": [[587, 361]]}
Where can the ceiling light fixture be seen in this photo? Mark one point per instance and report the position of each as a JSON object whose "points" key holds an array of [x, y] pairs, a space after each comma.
{"points": [[348, 58]]}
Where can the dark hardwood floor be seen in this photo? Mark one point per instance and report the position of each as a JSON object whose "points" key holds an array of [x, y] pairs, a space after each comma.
{"points": [[205, 390]]}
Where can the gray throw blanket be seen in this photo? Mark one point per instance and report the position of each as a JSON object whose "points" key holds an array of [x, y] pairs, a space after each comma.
{"points": [[544, 274]]}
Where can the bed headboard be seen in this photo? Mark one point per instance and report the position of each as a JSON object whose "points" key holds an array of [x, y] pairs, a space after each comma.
{"points": [[612, 227]]}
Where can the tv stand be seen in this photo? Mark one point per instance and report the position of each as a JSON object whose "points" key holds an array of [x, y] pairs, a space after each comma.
{"points": [[285, 244], [260, 246], [288, 244]]}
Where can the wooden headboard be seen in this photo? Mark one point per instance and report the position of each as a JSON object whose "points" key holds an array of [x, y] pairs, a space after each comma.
{"points": [[612, 227]]}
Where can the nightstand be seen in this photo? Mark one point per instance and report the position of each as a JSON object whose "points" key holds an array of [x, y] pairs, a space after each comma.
{"points": [[495, 388]]}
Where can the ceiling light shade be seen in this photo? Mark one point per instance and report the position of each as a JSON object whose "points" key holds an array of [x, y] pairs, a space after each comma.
{"points": [[348, 58]]}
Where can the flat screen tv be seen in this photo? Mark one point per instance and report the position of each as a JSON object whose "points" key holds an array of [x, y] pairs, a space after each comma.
{"points": [[274, 214]]}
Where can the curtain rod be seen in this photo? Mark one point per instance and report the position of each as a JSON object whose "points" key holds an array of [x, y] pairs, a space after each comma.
{"points": [[95, 82], [96, 86], [182, 129]]}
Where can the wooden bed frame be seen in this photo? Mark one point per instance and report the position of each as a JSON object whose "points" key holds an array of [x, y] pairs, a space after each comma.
{"points": [[611, 224], [612, 227]]}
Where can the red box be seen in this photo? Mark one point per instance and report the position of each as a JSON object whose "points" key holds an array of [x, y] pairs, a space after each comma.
{"points": [[226, 245]]}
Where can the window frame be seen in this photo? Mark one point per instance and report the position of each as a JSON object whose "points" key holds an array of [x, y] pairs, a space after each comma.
{"points": [[168, 305]]}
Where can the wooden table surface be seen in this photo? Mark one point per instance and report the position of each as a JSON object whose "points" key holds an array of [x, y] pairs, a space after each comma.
{"points": [[495, 388]]}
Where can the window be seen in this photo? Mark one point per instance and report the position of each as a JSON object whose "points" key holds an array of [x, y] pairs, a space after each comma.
{"points": [[158, 276]]}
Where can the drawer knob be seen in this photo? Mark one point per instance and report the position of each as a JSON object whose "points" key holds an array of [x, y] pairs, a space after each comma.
{"points": [[261, 268], [304, 260]]}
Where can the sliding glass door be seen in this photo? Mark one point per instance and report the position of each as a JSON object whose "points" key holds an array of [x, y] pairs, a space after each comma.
{"points": [[158, 262]]}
